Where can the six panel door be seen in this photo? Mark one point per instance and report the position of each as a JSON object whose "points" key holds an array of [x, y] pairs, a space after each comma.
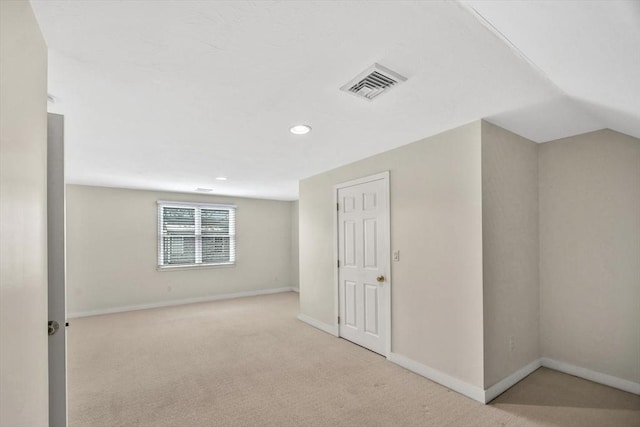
{"points": [[363, 252]]}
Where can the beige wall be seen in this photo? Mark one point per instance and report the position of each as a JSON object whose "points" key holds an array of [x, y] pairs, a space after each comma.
{"points": [[112, 250], [23, 218], [510, 252], [295, 251], [436, 224], [502, 240], [590, 252]]}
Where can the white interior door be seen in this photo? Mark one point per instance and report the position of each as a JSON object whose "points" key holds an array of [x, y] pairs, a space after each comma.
{"points": [[363, 262], [57, 293]]}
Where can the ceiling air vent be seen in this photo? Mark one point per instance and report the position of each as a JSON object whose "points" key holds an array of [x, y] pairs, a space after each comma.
{"points": [[373, 82]]}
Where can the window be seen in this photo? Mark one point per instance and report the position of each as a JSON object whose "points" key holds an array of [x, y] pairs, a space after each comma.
{"points": [[194, 234]]}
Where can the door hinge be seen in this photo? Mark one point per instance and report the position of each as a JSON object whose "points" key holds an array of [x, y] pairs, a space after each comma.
{"points": [[338, 206], [338, 263], [338, 320]]}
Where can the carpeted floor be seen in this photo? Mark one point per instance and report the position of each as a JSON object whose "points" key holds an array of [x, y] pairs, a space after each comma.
{"points": [[249, 362]]}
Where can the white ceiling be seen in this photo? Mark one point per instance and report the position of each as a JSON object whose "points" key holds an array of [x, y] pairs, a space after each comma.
{"points": [[589, 50], [168, 95]]}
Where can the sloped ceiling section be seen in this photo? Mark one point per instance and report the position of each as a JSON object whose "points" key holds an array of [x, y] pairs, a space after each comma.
{"points": [[590, 50], [169, 95]]}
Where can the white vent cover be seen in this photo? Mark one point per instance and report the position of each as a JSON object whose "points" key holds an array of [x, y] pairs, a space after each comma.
{"points": [[373, 82]]}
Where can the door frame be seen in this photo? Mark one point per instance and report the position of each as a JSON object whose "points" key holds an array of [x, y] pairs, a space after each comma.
{"points": [[56, 288], [384, 176]]}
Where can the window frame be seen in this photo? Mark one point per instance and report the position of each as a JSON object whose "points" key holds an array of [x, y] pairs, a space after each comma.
{"points": [[232, 209]]}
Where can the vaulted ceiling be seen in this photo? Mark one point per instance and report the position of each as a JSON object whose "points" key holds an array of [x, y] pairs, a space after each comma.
{"points": [[169, 95]]}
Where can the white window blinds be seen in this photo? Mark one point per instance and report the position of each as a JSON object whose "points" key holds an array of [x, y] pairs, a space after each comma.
{"points": [[192, 234]]}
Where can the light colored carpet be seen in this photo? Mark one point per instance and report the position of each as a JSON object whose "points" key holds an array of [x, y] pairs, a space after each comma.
{"points": [[251, 362]]}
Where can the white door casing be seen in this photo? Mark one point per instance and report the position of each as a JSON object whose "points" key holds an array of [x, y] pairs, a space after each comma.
{"points": [[364, 296]]}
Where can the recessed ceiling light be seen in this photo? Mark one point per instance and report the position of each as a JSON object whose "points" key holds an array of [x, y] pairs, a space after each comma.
{"points": [[204, 190], [300, 129], [221, 178]]}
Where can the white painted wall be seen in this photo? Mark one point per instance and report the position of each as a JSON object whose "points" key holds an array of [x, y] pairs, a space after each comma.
{"points": [[510, 252], [295, 246], [23, 218], [436, 223], [112, 250], [590, 252]]}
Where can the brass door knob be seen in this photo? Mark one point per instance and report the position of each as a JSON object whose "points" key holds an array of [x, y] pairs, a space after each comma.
{"points": [[380, 278]]}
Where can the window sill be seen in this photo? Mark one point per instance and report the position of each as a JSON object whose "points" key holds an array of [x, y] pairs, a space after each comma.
{"points": [[194, 266]]}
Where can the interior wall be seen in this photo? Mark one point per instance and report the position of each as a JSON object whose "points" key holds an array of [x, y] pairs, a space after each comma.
{"points": [[295, 245], [436, 224], [510, 252], [112, 250], [23, 218], [590, 252]]}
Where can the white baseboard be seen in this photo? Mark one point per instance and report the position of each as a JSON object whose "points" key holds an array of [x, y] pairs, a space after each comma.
{"points": [[295, 289], [471, 391], [177, 302], [596, 377], [506, 383], [330, 329], [485, 396]]}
